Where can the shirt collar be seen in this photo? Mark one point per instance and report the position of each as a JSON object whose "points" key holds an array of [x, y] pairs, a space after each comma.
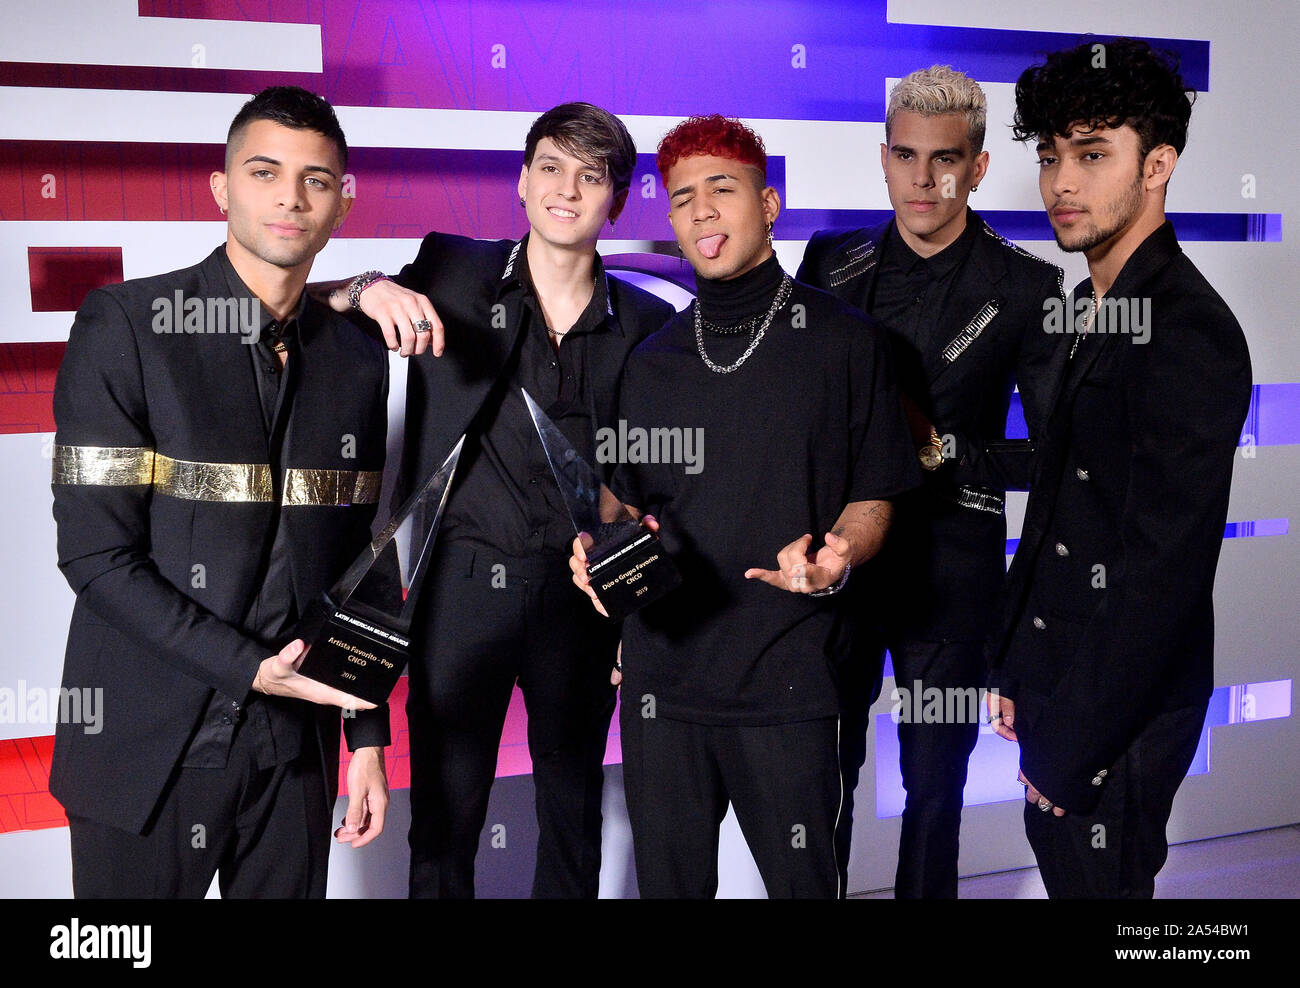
{"points": [[237, 289], [940, 264], [515, 277]]}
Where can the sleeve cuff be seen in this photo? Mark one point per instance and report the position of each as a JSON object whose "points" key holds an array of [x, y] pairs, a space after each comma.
{"points": [[368, 729], [1068, 789]]}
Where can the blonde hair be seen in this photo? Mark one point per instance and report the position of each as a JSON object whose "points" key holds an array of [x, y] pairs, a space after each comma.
{"points": [[941, 89]]}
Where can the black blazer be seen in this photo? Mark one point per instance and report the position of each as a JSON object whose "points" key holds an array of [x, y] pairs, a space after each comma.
{"points": [[162, 465], [1110, 612], [945, 561], [462, 277]]}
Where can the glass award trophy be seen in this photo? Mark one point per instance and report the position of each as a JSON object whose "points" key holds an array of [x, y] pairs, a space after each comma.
{"points": [[360, 631], [627, 565]]}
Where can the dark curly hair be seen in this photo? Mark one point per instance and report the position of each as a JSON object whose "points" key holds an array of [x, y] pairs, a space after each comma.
{"points": [[716, 136], [1124, 81]]}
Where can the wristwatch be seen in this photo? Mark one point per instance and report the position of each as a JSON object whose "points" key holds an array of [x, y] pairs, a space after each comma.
{"points": [[931, 454]]}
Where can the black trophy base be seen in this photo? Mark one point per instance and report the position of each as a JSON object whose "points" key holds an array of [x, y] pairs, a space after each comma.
{"points": [[354, 654], [632, 572]]}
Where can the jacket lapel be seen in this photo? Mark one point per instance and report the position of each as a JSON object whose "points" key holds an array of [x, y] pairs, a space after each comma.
{"points": [[222, 381], [980, 308], [857, 261], [1152, 255]]}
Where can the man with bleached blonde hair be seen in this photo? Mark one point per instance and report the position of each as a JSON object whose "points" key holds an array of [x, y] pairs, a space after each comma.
{"points": [[940, 90], [964, 312]]}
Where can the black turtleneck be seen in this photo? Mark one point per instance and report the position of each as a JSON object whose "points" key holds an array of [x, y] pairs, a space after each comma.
{"points": [[810, 422], [728, 301]]}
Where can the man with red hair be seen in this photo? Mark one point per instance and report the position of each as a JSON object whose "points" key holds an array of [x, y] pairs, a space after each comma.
{"points": [[730, 682]]}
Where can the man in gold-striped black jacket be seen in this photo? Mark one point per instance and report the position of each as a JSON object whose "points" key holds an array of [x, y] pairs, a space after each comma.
{"points": [[220, 441]]}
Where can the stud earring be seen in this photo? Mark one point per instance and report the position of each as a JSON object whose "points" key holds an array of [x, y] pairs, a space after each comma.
{"points": [[522, 202]]}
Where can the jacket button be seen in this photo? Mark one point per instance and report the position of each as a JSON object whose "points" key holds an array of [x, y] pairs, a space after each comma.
{"points": [[1040, 624], [1096, 780], [1081, 473], [1102, 773], [1061, 550]]}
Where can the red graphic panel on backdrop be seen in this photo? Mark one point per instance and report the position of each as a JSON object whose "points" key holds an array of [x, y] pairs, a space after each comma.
{"points": [[62, 277], [25, 800], [27, 373]]}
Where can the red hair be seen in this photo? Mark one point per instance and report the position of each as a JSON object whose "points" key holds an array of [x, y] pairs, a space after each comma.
{"points": [[712, 136]]}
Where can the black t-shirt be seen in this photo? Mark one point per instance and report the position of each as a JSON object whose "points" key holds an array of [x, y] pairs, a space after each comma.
{"points": [[810, 422]]}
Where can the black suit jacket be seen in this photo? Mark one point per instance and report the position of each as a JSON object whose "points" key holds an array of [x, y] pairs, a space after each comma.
{"points": [[945, 562], [462, 278], [162, 465], [1110, 614]]}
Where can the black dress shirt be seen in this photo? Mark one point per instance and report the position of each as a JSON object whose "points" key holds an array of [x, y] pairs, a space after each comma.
{"points": [[506, 495], [277, 722], [910, 297]]}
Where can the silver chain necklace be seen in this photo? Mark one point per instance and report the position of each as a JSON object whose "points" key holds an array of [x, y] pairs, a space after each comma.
{"points": [[744, 326], [1092, 314], [782, 294]]}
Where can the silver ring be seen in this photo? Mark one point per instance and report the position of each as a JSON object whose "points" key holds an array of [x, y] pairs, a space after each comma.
{"points": [[423, 326], [1044, 804], [995, 717]]}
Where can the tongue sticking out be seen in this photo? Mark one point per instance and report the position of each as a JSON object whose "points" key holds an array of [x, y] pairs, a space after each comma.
{"points": [[711, 247]]}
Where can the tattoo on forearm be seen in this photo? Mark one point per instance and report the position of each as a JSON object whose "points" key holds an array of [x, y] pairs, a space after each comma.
{"points": [[881, 514]]}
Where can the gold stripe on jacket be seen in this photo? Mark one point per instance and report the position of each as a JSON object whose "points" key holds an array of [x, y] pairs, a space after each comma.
{"points": [[191, 480]]}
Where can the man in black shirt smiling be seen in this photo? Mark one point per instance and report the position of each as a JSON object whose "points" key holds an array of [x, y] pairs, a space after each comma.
{"points": [[537, 314], [730, 684]]}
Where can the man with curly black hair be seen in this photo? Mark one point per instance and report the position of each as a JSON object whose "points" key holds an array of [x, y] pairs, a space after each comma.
{"points": [[1105, 662]]}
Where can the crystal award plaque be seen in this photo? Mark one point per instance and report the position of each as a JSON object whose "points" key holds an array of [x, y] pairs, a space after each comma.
{"points": [[360, 630], [627, 564]]}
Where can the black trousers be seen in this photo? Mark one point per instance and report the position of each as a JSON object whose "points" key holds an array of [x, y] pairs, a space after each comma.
{"points": [[484, 621], [265, 834], [932, 756], [1116, 851], [782, 780]]}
